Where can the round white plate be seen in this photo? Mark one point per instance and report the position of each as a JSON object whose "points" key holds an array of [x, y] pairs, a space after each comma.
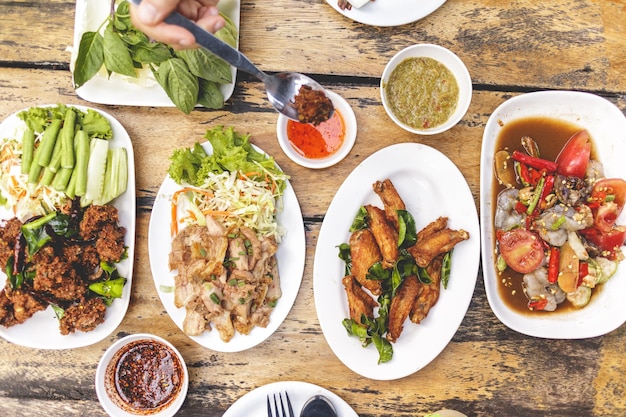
{"points": [[42, 330], [390, 12], [431, 186], [290, 256], [120, 90], [606, 125], [254, 403]]}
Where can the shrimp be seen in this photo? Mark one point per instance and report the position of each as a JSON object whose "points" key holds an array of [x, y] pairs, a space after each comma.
{"points": [[506, 217], [555, 223], [541, 292]]}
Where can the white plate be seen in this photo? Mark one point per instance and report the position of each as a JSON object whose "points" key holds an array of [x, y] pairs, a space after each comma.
{"points": [[606, 125], [119, 90], [431, 186], [42, 330], [390, 12], [254, 403], [290, 256]]}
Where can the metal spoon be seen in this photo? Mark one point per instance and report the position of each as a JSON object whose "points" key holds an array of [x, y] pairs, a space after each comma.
{"points": [[281, 88], [318, 406]]}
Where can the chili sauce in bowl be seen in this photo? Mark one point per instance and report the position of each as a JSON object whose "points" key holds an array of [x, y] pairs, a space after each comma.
{"points": [[426, 89], [142, 375], [322, 145]]}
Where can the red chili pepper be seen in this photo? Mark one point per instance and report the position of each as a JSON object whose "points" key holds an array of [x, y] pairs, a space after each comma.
{"points": [[524, 174], [534, 162], [583, 271], [520, 207], [539, 304], [553, 264], [535, 175]]}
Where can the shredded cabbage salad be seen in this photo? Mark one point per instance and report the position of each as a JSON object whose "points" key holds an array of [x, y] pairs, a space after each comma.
{"points": [[24, 199], [235, 199]]}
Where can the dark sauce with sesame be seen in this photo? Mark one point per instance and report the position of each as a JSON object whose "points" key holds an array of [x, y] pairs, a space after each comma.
{"points": [[144, 377], [550, 135]]}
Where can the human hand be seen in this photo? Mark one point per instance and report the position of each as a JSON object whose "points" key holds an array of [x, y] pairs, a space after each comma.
{"points": [[148, 18]]}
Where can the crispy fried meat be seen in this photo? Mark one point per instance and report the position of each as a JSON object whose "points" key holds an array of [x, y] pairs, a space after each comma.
{"points": [[359, 302], [392, 202], [429, 295], [365, 253], [384, 233], [401, 306]]}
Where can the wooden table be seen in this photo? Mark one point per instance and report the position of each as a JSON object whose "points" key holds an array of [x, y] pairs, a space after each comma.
{"points": [[487, 370]]}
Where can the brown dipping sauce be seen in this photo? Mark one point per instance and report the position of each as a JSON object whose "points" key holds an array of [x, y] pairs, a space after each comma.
{"points": [[550, 135], [144, 377]]}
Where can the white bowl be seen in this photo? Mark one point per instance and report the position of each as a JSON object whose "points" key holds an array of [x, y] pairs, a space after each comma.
{"points": [[110, 406], [452, 62], [341, 105]]}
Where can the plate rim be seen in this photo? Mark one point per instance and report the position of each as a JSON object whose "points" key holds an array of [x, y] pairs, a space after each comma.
{"points": [[361, 16], [82, 339]]}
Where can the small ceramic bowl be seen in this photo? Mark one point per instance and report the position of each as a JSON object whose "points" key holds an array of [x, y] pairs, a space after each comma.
{"points": [[349, 119], [450, 61], [145, 345]]}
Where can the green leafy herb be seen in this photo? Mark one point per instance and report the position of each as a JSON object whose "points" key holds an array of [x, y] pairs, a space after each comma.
{"points": [[446, 266], [407, 231], [188, 77]]}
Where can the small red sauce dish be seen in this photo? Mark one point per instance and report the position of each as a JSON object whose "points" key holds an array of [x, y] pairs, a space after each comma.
{"points": [[142, 375], [323, 145]]}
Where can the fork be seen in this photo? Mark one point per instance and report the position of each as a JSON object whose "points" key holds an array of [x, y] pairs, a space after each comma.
{"points": [[277, 413]]}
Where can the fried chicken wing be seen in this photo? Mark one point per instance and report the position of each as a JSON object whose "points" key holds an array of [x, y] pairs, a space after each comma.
{"points": [[430, 292], [365, 253], [384, 233], [435, 239], [401, 306], [359, 302], [392, 201]]}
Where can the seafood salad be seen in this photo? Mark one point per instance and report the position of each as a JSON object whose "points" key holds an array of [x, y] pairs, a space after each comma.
{"points": [[555, 221]]}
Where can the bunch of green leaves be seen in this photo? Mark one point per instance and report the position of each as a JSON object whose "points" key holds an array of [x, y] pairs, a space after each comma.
{"points": [[232, 152], [92, 122], [188, 77], [374, 330]]}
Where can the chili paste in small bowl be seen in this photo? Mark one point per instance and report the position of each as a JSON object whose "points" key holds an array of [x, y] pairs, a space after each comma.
{"points": [[142, 375]]}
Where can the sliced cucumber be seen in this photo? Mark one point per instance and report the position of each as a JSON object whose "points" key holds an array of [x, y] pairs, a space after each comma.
{"points": [[607, 269], [580, 297]]}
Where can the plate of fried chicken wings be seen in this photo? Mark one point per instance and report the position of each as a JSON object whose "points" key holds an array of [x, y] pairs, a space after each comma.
{"points": [[422, 181]]}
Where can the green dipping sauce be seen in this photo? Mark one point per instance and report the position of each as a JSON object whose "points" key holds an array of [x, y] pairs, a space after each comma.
{"points": [[422, 92]]}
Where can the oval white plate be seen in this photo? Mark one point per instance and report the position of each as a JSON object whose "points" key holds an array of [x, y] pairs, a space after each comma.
{"points": [[390, 12], [109, 406], [290, 256], [119, 90], [431, 186], [254, 403], [349, 120], [606, 125], [42, 330]]}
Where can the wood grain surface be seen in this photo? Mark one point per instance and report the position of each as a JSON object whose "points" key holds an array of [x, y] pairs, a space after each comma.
{"points": [[487, 370]]}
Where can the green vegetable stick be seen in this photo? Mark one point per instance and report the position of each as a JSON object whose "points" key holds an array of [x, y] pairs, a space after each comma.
{"points": [[55, 159], [61, 179], [67, 140], [34, 172], [70, 190], [49, 138], [28, 148], [47, 177], [82, 162]]}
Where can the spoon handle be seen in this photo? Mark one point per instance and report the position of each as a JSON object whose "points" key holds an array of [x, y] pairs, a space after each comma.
{"points": [[214, 44]]}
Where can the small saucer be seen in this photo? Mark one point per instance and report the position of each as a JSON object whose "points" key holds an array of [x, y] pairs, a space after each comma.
{"points": [[340, 105]]}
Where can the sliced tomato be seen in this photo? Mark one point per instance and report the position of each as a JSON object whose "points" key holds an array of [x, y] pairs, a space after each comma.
{"points": [[610, 187], [573, 159], [521, 249], [605, 216], [606, 241]]}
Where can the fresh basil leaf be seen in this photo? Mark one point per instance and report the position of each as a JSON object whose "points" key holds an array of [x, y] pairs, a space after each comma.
{"points": [[344, 255], [179, 83], [116, 54], [90, 58], [446, 267], [407, 233], [204, 64], [59, 312], [150, 53], [385, 350], [228, 33], [423, 276], [360, 220], [210, 95], [378, 272]]}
